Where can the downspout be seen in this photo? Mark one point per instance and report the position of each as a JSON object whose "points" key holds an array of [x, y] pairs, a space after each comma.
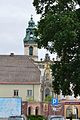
{"points": [[33, 92]]}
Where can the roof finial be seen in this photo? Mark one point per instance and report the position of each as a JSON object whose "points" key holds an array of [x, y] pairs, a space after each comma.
{"points": [[31, 16]]}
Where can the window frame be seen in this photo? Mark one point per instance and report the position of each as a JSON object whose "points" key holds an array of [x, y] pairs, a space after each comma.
{"points": [[31, 50], [29, 93], [16, 92]]}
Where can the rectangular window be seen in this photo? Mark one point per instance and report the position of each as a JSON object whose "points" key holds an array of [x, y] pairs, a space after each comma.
{"points": [[29, 93], [16, 92]]}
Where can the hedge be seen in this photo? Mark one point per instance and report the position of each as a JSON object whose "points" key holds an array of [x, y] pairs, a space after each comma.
{"points": [[36, 117]]}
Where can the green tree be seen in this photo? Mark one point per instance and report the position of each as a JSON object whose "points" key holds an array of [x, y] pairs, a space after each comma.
{"points": [[59, 32], [48, 99]]}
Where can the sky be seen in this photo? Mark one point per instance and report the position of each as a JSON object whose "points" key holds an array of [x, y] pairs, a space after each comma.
{"points": [[14, 17]]}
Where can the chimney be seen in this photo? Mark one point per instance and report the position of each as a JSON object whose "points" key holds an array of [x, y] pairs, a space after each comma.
{"points": [[11, 54]]}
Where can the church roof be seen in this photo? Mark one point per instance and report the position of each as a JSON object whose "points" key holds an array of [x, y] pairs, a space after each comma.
{"points": [[18, 69]]}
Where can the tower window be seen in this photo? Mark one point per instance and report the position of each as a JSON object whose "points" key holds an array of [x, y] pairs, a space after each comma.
{"points": [[31, 34], [30, 50]]}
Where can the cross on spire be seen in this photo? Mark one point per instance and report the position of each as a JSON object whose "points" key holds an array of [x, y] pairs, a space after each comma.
{"points": [[31, 16]]}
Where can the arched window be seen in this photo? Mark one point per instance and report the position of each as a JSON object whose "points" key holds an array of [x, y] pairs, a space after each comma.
{"points": [[47, 92], [30, 50]]}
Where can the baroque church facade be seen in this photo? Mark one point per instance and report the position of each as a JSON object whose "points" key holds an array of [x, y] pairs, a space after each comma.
{"points": [[31, 50]]}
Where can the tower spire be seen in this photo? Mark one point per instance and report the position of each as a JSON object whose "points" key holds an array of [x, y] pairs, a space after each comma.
{"points": [[30, 46], [31, 16]]}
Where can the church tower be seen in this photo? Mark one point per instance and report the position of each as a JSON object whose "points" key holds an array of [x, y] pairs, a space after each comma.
{"points": [[30, 46]]}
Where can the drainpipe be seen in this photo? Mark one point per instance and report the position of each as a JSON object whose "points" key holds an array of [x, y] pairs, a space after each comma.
{"points": [[33, 92]]}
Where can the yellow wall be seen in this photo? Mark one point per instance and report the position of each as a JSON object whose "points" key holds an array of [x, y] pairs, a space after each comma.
{"points": [[8, 91]]}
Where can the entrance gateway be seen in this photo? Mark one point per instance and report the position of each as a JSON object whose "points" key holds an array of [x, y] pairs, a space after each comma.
{"points": [[72, 108]]}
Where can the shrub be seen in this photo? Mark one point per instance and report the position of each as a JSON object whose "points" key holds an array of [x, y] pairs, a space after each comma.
{"points": [[36, 117]]}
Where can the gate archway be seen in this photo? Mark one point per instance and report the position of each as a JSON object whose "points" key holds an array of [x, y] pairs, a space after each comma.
{"points": [[29, 110], [36, 110], [72, 111]]}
